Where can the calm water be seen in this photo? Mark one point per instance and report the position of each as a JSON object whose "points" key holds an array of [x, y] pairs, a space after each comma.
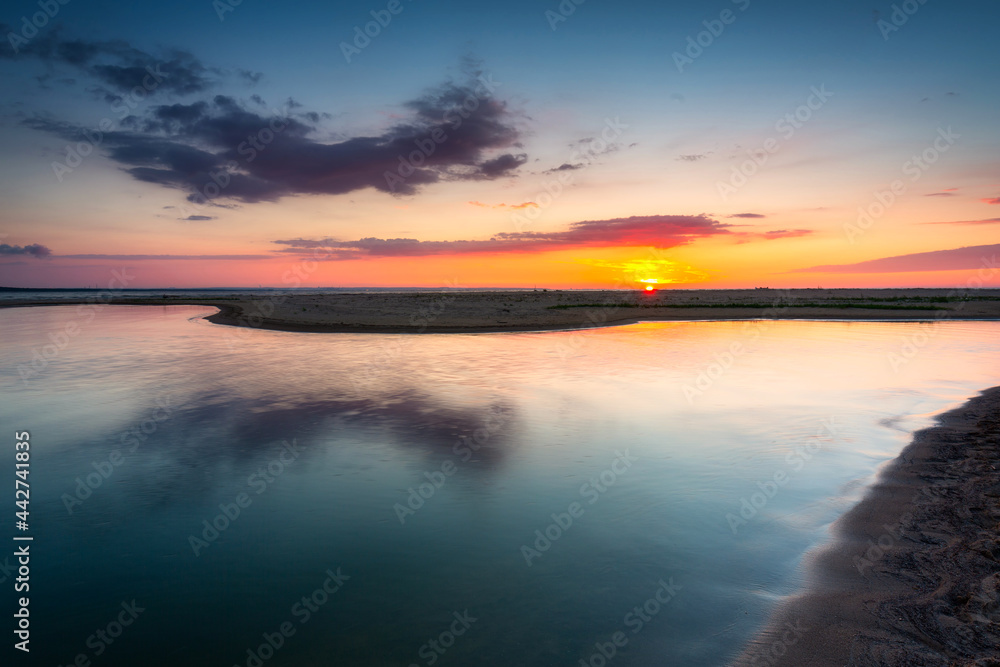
{"points": [[147, 422]]}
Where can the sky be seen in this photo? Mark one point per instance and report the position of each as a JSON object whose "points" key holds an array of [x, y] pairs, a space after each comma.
{"points": [[728, 144]]}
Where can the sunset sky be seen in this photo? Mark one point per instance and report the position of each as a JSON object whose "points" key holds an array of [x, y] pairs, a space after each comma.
{"points": [[739, 143]]}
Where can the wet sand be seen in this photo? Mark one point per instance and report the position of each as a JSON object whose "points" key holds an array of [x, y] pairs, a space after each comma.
{"points": [[912, 576], [472, 311]]}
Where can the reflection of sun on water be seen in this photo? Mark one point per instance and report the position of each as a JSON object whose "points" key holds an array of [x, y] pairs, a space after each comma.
{"points": [[666, 271]]}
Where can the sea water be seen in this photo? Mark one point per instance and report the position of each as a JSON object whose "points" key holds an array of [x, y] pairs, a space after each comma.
{"points": [[636, 495]]}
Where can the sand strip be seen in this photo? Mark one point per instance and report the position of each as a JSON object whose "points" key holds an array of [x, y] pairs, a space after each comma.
{"points": [[475, 311]]}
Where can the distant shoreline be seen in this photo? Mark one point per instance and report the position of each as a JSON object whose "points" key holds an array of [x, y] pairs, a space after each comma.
{"points": [[544, 310], [912, 576]]}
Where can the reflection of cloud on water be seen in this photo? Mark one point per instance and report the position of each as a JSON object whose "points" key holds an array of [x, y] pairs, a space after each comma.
{"points": [[207, 446]]}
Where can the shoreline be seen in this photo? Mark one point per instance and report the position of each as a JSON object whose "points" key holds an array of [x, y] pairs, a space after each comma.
{"points": [[912, 573], [559, 310]]}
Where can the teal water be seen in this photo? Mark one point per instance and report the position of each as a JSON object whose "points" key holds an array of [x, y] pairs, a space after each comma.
{"points": [[626, 445]]}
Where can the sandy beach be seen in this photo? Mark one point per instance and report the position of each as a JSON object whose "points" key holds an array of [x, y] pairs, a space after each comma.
{"points": [[912, 576], [484, 311]]}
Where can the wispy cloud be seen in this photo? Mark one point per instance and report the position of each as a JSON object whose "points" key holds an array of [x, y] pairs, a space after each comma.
{"points": [[659, 231], [523, 205], [566, 166], [784, 234], [773, 235], [990, 221], [971, 257], [746, 215]]}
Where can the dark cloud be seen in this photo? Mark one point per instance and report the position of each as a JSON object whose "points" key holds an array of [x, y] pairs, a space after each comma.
{"points": [[502, 165], [199, 218], [593, 147], [970, 258], [747, 215], [565, 166], [166, 257], [221, 149], [252, 78], [34, 250], [116, 63], [660, 231], [692, 158], [773, 235]]}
